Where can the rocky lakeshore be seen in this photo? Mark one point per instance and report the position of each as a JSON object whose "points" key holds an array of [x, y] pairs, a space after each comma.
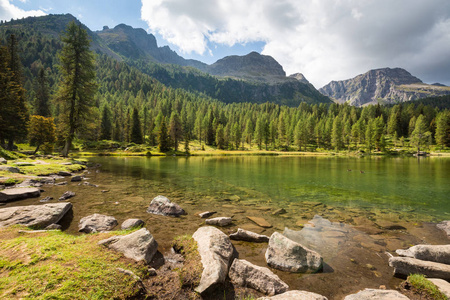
{"points": [[330, 254]]}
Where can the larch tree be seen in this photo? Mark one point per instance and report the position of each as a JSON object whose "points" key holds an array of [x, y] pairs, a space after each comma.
{"points": [[78, 86], [420, 134], [136, 130], [42, 92], [175, 129], [443, 129], [41, 130]]}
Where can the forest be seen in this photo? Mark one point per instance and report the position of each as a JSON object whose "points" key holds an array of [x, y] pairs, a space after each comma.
{"points": [[132, 108]]}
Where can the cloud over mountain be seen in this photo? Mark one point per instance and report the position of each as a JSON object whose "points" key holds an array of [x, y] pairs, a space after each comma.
{"points": [[10, 11], [324, 40]]}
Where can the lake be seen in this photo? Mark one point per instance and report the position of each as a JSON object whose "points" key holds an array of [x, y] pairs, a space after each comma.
{"points": [[351, 210]]}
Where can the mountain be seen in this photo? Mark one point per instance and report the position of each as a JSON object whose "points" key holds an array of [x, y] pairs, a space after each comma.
{"points": [[381, 86]]}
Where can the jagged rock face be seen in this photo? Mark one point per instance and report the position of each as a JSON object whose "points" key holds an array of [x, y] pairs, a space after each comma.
{"points": [[252, 64], [386, 85], [300, 77]]}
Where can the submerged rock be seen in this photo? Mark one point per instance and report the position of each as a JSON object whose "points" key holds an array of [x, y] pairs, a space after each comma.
{"points": [[445, 226], [138, 245], [216, 252], [37, 216], [97, 223], [19, 193], [76, 178], [436, 253], [376, 294], [219, 221], [287, 255], [246, 274], [206, 214], [132, 223], [295, 295], [249, 236], [407, 265], [260, 221], [66, 195], [161, 205]]}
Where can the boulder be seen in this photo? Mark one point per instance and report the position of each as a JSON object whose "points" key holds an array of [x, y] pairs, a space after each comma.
{"points": [[9, 169], [286, 255], [445, 226], [442, 285], [279, 211], [3, 161], [64, 173], [216, 252], [407, 265], [260, 221], [132, 223], [436, 253], [295, 295], [249, 236], [206, 214], [53, 227], [23, 164], [376, 294], [46, 199], [19, 193], [246, 274], [66, 195], [138, 245], [219, 221], [161, 205], [36, 216], [96, 223], [76, 178]]}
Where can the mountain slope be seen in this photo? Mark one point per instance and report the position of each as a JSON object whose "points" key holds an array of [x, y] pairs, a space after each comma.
{"points": [[381, 85]]}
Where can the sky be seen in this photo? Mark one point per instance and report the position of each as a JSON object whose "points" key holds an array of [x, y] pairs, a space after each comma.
{"points": [[323, 39]]}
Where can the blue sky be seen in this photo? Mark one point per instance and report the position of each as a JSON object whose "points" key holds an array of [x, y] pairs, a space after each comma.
{"points": [[325, 40]]}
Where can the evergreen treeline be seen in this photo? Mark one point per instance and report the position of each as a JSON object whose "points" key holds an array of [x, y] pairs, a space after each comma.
{"points": [[130, 106]]}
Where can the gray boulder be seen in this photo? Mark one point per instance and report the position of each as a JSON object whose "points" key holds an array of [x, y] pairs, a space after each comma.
{"points": [[206, 214], [132, 223], [442, 285], [64, 173], [76, 178], [436, 253], [287, 255], [3, 161], [9, 169], [295, 295], [161, 205], [249, 236], [66, 195], [138, 245], [53, 227], [445, 226], [246, 274], [36, 216], [216, 252], [376, 294], [97, 223], [19, 193], [407, 265], [219, 221]]}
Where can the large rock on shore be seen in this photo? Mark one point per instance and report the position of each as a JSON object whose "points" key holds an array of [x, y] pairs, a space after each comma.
{"points": [[132, 223], [19, 193], [436, 253], [295, 295], [9, 169], [376, 294], [97, 223], [161, 205], [407, 265], [138, 245], [36, 216], [249, 236], [246, 274], [445, 226], [216, 252], [287, 255], [442, 285]]}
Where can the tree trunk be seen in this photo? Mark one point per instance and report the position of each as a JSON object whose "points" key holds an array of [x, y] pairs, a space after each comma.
{"points": [[37, 149], [10, 146]]}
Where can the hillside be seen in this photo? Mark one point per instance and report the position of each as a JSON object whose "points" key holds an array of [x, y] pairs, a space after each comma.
{"points": [[381, 86]]}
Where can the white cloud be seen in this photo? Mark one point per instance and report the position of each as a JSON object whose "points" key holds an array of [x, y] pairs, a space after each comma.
{"points": [[9, 11], [325, 40]]}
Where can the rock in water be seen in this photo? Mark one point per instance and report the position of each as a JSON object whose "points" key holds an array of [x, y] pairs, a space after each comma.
{"points": [[132, 223], [219, 221], [36, 216], [161, 205], [19, 193], [96, 223], [445, 226], [376, 294], [76, 178], [407, 265], [206, 214], [295, 295], [246, 274], [216, 252], [260, 221], [287, 255], [138, 245], [249, 236], [66, 195], [436, 253]]}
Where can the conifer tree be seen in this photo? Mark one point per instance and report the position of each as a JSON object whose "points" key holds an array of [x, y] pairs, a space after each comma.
{"points": [[220, 138], [163, 137], [136, 130], [77, 89], [443, 129], [420, 133], [42, 94], [105, 124], [41, 130], [175, 129]]}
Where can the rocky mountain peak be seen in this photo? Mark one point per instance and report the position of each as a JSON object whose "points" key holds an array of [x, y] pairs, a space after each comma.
{"points": [[300, 77]]}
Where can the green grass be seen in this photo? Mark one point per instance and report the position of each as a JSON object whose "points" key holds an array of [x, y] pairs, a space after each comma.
{"points": [[421, 284], [55, 265]]}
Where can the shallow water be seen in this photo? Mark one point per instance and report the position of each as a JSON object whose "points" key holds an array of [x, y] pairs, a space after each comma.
{"points": [[347, 206]]}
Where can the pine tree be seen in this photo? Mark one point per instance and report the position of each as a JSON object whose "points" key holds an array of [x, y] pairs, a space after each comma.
{"points": [[336, 133], [77, 89], [220, 138], [105, 124], [420, 134], [443, 129], [136, 130], [163, 137], [175, 129], [41, 90]]}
